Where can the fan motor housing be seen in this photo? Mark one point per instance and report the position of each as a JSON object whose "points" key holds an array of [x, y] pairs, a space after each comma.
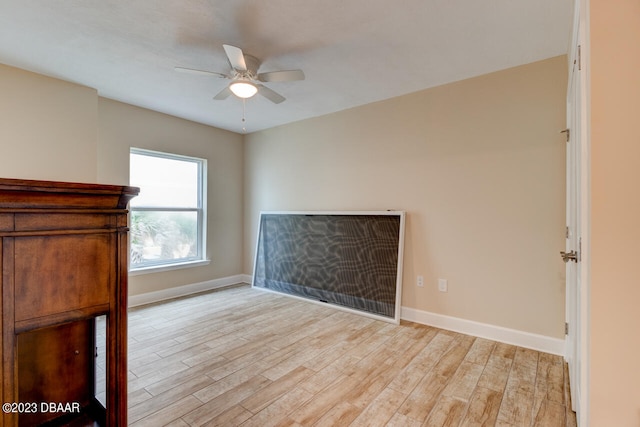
{"points": [[253, 64]]}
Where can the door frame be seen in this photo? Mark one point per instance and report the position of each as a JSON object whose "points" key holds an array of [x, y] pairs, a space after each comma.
{"points": [[573, 234], [578, 300]]}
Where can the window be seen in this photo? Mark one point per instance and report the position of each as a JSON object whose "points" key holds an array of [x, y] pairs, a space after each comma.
{"points": [[168, 217]]}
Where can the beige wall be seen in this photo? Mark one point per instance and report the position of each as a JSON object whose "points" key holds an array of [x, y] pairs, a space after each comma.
{"points": [[479, 167], [48, 128], [615, 198], [122, 126]]}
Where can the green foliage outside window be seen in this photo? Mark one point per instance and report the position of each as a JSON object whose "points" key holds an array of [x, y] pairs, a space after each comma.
{"points": [[160, 236]]}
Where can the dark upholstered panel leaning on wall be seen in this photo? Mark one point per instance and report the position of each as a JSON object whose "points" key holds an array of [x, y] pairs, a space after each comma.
{"points": [[348, 259]]}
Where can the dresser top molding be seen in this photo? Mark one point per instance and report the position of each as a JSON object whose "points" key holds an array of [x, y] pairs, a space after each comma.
{"points": [[32, 194]]}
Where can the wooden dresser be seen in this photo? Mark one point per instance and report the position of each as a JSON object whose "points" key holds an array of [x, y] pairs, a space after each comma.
{"points": [[63, 254]]}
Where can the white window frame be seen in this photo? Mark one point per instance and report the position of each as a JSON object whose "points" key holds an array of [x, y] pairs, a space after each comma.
{"points": [[201, 210]]}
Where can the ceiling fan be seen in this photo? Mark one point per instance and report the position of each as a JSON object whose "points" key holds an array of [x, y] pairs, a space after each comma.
{"points": [[244, 76]]}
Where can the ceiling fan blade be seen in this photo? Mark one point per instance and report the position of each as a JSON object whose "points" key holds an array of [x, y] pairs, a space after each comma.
{"points": [[281, 76], [199, 72], [223, 94], [236, 57], [271, 95]]}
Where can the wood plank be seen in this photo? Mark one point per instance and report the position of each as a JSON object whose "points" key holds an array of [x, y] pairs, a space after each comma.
{"points": [[328, 375], [480, 351], [221, 403], [464, 381], [177, 423], [496, 373], [504, 350], [516, 407], [424, 397], [234, 416], [315, 408], [399, 420], [550, 414], [330, 354], [381, 409], [227, 384], [456, 353], [169, 413], [340, 415], [277, 388], [276, 412], [448, 412], [517, 401], [550, 379], [138, 396], [483, 408], [198, 371], [161, 401], [424, 361], [296, 357], [371, 386]]}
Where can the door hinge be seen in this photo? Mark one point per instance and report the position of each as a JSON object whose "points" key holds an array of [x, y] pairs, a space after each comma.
{"points": [[580, 249], [566, 328], [579, 58], [568, 132], [566, 232]]}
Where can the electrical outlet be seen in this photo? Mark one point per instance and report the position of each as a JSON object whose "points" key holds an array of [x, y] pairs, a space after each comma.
{"points": [[420, 281], [443, 286]]}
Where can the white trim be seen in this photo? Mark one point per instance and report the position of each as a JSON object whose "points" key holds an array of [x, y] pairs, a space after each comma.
{"points": [[483, 330], [168, 267], [388, 212], [200, 210], [584, 395], [180, 291]]}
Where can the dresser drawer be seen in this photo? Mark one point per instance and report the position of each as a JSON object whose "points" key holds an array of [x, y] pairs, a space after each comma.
{"points": [[63, 221]]}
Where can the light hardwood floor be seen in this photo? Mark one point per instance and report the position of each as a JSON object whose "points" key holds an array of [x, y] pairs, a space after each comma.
{"points": [[245, 357]]}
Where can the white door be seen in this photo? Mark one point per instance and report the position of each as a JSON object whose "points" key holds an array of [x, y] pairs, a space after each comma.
{"points": [[572, 252]]}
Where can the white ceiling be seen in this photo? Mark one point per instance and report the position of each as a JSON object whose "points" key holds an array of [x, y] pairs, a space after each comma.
{"points": [[353, 52]]}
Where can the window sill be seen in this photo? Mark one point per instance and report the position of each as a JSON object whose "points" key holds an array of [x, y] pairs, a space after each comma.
{"points": [[161, 268]]}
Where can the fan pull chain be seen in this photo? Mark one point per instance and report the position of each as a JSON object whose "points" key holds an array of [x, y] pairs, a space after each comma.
{"points": [[244, 129]]}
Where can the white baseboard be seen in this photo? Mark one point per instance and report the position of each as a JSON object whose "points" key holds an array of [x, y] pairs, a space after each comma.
{"points": [[496, 333], [180, 291]]}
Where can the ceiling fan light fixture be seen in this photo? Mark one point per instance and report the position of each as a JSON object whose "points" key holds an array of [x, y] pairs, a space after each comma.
{"points": [[243, 88]]}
